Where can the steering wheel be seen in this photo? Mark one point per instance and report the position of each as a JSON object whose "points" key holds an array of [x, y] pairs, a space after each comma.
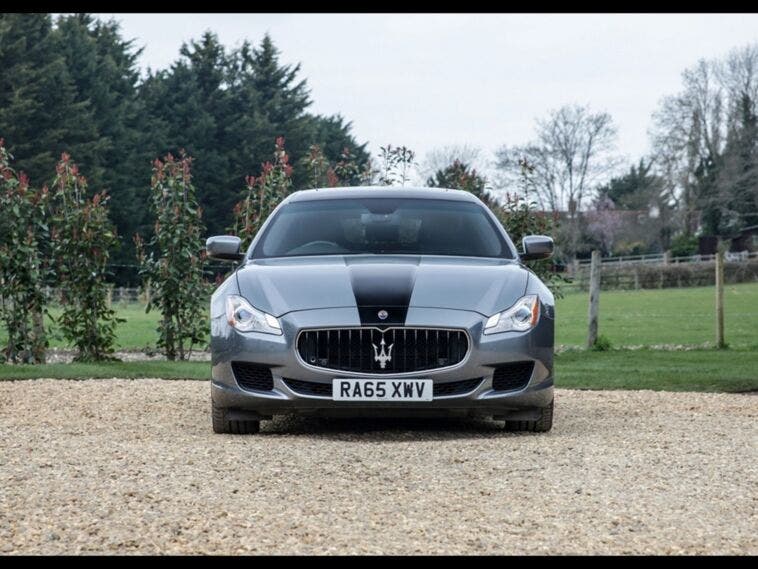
{"points": [[322, 242], [319, 246]]}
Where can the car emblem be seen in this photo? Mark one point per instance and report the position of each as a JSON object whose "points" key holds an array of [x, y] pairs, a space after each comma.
{"points": [[381, 356], [383, 314]]}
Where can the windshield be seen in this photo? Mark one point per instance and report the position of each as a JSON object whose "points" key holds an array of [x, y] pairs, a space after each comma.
{"points": [[382, 225]]}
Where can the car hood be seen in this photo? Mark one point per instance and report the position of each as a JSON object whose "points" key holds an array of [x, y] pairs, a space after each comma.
{"points": [[279, 286]]}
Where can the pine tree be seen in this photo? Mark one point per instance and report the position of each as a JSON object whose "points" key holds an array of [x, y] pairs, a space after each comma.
{"points": [[74, 87], [40, 116], [103, 67], [268, 100], [188, 103], [738, 180]]}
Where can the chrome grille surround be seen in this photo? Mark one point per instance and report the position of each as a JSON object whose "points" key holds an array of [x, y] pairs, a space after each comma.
{"points": [[390, 371]]}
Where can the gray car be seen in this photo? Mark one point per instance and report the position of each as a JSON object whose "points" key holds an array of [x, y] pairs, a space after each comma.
{"points": [[381, 301]]}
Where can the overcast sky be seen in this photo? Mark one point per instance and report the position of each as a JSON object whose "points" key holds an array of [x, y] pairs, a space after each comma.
{"points": [[428, 80]]}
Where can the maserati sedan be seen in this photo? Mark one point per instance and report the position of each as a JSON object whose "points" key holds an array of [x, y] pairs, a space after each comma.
{"points": [[381, 301]]}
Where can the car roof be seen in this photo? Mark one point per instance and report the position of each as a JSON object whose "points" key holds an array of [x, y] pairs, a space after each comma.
{"points": [[381, 192]]}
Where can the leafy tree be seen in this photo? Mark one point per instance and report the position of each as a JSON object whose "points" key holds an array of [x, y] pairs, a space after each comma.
{"points": [[81, 238], [320, 173], [396, 163], [22, 272], [684, 245], [263, 194], [347, 172], [172, 261], [520, 217], [461, 176], [333, 136]]}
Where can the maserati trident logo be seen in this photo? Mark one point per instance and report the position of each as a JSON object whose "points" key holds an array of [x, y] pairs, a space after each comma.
{"points": [[381, 356]]}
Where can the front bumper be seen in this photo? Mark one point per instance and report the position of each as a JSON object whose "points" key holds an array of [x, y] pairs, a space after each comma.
{"points": [[486, 352]]}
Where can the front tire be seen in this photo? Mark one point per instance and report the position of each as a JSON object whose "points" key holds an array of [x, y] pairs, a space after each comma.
{"points": [[223, 425], [541, 425]]}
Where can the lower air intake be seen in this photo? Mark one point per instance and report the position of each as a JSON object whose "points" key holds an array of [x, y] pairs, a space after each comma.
{"points": [[512, 376]]}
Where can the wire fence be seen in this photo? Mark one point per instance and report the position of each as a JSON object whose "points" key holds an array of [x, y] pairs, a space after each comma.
{"points": [[629, 274], [666, 258], [647, 275]]}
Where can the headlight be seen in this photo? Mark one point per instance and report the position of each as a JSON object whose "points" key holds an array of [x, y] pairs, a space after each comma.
{"points": [[241, 315], [520, 317]]}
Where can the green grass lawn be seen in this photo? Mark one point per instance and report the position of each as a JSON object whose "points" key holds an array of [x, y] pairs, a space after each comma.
{"points": [[138, 331], [140, 328], [627, 318], [695, 370], [692, 370], [665, 316]]}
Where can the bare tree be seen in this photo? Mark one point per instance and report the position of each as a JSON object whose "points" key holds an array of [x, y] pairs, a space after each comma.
{"points": [[605, 223], [441, 157], [687, 134], [573, 152], [738, 74], [737, 183], [704, 141]]}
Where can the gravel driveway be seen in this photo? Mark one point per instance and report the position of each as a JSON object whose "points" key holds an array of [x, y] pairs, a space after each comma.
{"points": [[132, 466]]}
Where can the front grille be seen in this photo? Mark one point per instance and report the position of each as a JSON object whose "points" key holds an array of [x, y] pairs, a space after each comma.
{"points": [[512, 376], [359, 350], [253, 376], [325, 389]]}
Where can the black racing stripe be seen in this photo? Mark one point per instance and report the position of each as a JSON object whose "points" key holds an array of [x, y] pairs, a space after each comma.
{"points": [[382, 287]]}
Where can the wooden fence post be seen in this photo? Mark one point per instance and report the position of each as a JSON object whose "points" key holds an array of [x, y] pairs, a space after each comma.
{"points": [[594, 298], [720, 343]]}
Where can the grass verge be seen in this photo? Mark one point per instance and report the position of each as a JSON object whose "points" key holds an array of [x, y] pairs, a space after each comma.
{"points": [[692, 370], [108, 370]]}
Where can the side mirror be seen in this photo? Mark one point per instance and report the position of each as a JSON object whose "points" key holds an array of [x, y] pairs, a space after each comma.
{"points": [[224, 247], [536, 247]]}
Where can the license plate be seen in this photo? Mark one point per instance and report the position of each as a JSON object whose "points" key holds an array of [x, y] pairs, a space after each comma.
{"points": [[382, 389]]}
